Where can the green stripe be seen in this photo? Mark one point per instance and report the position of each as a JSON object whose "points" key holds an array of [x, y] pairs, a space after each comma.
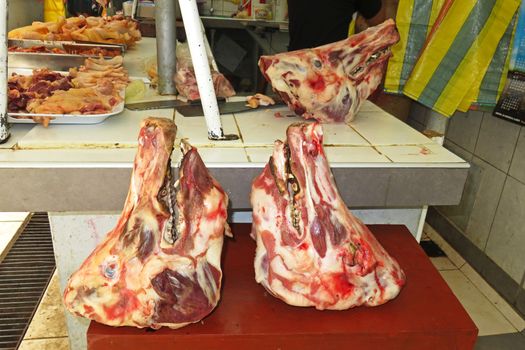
{"points": [[488, 90], [417, 35], [457, 51]]}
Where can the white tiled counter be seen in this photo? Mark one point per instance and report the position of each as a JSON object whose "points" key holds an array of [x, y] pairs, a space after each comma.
{"points": [[378, 161]]}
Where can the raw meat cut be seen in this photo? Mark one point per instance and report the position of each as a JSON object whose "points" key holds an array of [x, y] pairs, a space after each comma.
{"points": [[311, 251], [160, 265], [186, 84], [330, 82]]}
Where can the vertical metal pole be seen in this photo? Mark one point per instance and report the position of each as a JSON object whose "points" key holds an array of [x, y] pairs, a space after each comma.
{"points": [[195, 35], [165, 27], [4, 126]]}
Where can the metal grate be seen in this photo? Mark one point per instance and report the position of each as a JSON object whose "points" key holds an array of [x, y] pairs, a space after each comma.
{"points": [[24, 275]]}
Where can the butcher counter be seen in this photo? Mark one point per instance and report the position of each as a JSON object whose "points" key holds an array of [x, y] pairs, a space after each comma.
{"points": [[387, 172]]}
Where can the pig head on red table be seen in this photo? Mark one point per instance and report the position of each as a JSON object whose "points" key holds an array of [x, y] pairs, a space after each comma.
{"points": [[311, 250], [160, 265]]}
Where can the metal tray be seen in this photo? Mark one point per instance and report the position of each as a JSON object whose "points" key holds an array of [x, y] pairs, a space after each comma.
{"points": [[22, 118], [54, 61]]}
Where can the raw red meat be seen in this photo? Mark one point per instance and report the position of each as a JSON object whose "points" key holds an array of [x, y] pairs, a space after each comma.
{"points": [[160, 266], [330, 82], [186, 84], [311, 251]]}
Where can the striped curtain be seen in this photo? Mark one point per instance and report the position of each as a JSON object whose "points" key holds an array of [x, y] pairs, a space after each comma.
{"points": [[452, 53], [414, 20]]}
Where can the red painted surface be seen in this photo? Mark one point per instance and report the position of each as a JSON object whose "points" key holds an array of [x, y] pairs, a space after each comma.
{"points": [[426, 315]]}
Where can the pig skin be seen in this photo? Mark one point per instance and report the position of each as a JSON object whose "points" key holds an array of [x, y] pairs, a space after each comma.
{"points": [[329, 83], [311, 250], [160, 265]]}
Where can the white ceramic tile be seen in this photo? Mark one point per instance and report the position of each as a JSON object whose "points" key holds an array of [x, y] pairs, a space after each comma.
{"points": [[369, 106], [45, 344], [342, 134], [17, 131], [121, 155], [442, 263], [196, 131], [8, 234], [494, 297], [49, 319], [430, 153], [13, 216], [223, 155], [485, 315], [359, 154], [260, 128], [259, 154], [451, 253], [118, 131], [383, 129]]}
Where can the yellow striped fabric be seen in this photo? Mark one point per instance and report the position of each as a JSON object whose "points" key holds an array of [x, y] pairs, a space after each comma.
{"points": [[395, 63], [448, 74]]}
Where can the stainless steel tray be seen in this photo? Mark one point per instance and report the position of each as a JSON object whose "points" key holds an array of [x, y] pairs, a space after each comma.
{"points": [[53, 61], [26, 118]]}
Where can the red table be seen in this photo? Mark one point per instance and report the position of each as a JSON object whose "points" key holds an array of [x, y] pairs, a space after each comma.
{"points": [[426, 315]]}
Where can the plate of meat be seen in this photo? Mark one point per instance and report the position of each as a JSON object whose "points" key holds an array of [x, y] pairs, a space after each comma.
{"points": [[85, 95]]}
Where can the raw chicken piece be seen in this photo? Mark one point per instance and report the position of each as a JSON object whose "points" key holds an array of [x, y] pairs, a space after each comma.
{"points": [[311, 251], [330, 82], [160, 265]]}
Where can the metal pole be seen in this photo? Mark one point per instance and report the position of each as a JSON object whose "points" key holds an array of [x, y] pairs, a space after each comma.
{"points": [[195, 35], [165, 27], [4, 126]]}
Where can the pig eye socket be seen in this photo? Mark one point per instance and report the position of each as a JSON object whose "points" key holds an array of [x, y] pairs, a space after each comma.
{"points": [[356, 70], [317, 64]]}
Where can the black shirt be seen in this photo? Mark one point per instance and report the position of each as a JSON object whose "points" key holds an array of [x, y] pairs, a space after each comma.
{"points": [[318, 22]]}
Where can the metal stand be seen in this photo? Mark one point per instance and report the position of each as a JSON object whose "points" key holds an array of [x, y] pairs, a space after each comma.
{"points": [[166, 32], [195, 35], [4, 126]]}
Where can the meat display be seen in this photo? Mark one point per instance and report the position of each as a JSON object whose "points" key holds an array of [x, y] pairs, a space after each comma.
{"points": [[160, 265], [330, 82], [186, 84], [106, 30], [91, 51], [186, 81], [24, 89], [311, 250], [96, 72], [94, 88]]}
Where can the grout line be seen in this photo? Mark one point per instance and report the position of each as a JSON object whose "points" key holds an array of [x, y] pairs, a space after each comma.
{"points": [[514, 151], [496, 306], [46, 338], [238, 128], [495, 213], [479, 132]]}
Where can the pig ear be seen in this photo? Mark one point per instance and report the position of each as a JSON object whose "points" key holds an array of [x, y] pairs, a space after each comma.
{"points": [[265, 62]]}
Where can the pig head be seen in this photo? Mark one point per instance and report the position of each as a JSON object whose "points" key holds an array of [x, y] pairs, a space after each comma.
{"points": [[330, 82]]}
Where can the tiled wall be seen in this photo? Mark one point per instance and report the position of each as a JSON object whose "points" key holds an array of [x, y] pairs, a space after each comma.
{"points": [[492, 210]]}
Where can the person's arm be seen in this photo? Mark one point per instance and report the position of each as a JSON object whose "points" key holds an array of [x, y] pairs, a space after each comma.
{"points": [[372, 10]]}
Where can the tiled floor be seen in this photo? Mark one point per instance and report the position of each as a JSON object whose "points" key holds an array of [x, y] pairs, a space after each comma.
{"points": [[499, 325]]}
